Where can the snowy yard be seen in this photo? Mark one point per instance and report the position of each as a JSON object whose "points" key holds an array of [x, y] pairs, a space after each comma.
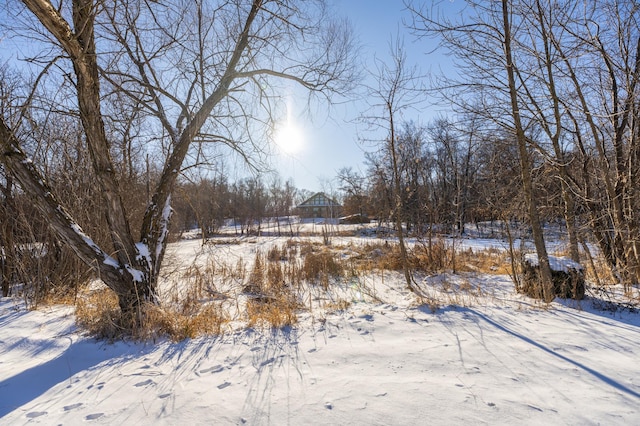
{"points": [[491, 357]]}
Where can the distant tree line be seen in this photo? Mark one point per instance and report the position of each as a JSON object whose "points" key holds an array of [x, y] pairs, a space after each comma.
{"points": [[450, 176], [210, 202]]}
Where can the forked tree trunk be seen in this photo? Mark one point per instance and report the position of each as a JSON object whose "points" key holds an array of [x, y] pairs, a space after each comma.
{"points": [[128, 272], [132, 272], [129, 284]]}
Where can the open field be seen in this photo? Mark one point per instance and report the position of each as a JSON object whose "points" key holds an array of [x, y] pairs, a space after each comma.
{"points": [[351, 345]]}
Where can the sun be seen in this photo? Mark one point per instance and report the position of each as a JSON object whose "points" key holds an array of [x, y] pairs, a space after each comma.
{"points": [[289, 138]]}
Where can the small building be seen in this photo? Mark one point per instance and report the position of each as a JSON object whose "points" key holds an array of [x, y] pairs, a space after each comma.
{"points": [[319, 205]]}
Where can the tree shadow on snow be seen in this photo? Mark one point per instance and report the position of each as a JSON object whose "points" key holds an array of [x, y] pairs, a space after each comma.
{"points": [[467, 312], [605, 308], [274, 355], [28, 385]]}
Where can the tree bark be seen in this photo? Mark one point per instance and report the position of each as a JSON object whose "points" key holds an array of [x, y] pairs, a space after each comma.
{"points": [[525, 164], [135, 271], [155, 225], [554, 136], [132, 283]]}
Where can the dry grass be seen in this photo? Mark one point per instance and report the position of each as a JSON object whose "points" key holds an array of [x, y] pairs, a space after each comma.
{"points": [[487, 261], [599, 272], [99, 314], [273, 312], [337, 306], [320, 266], [278, 286], [376, 256], [208, 320], [273, 289], [431, 258]]}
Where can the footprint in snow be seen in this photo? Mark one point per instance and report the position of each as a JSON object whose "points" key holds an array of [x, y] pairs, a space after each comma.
{"points": [[94, 416], [98, 385], [144, 383], [215, 369], [147, 371], [224, 385], [266, 362], [34, 414], [72, 406]]}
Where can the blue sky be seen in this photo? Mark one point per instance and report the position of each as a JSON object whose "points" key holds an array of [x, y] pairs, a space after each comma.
{"points": [[333, 141]]}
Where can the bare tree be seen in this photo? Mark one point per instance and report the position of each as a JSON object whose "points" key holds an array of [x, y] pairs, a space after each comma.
{"points": [[396, 90], [525, 159], [604, 82], [453, 150], [352, 185], [211, 81], [484, 46]]}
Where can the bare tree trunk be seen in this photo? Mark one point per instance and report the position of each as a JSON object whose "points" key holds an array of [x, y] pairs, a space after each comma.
{"points": [[569, 203], [404, 258], [155, 225], [132, 283], [7, 245], [23, 170], [607, 234], [138, 265], [525, 165]]}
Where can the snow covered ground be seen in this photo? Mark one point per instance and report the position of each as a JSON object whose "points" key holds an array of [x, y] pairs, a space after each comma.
{"points": [[486, 357]]}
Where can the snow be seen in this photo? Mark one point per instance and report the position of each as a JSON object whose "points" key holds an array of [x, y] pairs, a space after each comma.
{"points": [[166, 215], [558, 264], [487, 356], [108, 260], [143, 249]]}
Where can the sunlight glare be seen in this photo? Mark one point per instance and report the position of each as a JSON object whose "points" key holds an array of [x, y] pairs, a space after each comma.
{"points": [[289, 138]]}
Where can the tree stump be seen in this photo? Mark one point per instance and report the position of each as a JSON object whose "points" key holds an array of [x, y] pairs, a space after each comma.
{"points": [[567, 276]]}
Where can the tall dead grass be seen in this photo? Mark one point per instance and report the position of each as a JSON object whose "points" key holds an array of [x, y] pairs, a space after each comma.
{"points": [[282, 282], [432, 257], [272, 289]]}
